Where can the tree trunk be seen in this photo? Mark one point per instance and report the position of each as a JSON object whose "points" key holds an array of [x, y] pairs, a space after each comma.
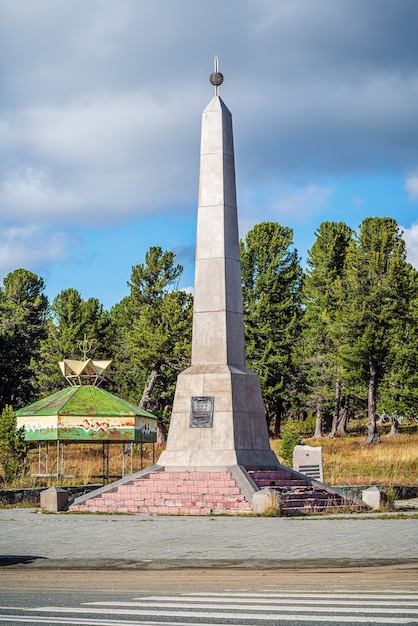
{"points": [[318, 425], [278, 421], [372, 434], [394, 427], [145, 402], [337, 410], [380, 421], [343, 421], [268, 418], [149, 386], [161, 432]]}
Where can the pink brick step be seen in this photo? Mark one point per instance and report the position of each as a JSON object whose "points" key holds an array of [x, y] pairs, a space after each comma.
{"points": [[171, 493]]}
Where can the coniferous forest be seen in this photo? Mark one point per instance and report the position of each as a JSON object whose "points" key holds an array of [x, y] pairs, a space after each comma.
{"points": [[329, 342]]}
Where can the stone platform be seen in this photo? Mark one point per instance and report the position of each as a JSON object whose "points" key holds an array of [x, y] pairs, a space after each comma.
{"points": [[158, 491]]}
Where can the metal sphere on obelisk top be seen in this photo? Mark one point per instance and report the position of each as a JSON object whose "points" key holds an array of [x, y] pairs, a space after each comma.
{"points": [[216, 78]]}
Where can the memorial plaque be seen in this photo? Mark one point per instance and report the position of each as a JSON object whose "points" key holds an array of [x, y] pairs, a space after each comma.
{"points": [[201, 412]]}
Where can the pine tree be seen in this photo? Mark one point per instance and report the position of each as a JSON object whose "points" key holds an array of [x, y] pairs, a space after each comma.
{"points": [[152, 335], [398, 397], [290, 439], [326, 261], [271, 276], [23, 320], [71, 319], [374, 298]]}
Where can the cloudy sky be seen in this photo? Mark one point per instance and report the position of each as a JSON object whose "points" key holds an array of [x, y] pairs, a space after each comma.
{"points": [[100, 112]]}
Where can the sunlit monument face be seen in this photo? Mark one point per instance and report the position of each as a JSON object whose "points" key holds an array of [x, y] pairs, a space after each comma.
{"points": [[218, 414]]}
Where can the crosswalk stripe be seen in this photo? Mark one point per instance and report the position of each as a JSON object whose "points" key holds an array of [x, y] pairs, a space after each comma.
{"points": [[237, 603], [260, 606], [289, 594], [212, 608], [220, 612], [101, 622], [274, 616], [33, 619]]}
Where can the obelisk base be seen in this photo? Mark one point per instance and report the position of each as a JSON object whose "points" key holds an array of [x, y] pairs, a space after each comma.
{"points": [[235, 434]]}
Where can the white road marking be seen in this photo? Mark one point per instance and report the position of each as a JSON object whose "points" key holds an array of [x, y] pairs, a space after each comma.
{"points": [[200, 604], [322, 608], [294, 594], [220, 613], [284, 618]]}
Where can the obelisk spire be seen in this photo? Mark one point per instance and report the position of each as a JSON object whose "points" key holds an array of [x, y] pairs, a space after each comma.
{"points": [[218, 414], [218, 328]]}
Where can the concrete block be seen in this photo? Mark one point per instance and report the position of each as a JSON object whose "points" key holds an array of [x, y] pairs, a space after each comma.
{"points": [[308, 460], [266, 501], [372, 497], [54, 499]]}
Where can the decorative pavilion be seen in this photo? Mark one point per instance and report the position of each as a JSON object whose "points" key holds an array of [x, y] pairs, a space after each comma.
{"points": [[85, 413]]}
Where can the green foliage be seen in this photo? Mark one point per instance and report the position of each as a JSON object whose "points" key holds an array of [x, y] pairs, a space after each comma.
{"points": [[152, 334], [374, 300], [12, 446], [71, 319], [306, 428], [23, 325], [271, 277], [399, 387], [344, 338], [150, 281], [323, 368], [289, 439]]}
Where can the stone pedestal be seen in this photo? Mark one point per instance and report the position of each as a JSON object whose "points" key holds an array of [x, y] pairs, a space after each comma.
{"points": [[372, 497], [54, 499]]}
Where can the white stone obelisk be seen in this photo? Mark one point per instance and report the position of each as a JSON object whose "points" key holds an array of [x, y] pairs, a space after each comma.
{"points": [[218, 414]]}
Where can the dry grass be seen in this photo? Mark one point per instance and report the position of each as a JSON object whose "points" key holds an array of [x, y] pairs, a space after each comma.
{"points": [[347, 461], [83, 464]]}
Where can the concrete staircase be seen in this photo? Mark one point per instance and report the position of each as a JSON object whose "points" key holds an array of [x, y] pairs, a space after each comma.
{"points": [[168, 493], [157, 491], [299, 494]]}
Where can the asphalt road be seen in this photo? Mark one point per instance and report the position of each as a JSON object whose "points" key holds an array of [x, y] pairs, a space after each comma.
{"points": [[255, 604], [103, 570]]}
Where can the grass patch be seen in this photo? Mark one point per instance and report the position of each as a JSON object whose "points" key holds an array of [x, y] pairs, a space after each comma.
{"points": [[347, 461]]}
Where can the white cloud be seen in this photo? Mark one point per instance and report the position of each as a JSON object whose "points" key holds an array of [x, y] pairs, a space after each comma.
{"points": [[411, 187], [104, 158], [30, 193], [284, 203], [101, 102], [30, 247], [304, 202], [410, 236]]}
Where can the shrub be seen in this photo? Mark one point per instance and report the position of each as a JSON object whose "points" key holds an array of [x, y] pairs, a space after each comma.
{"points": [[290, 439], [12, 446], [307, 427]]}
